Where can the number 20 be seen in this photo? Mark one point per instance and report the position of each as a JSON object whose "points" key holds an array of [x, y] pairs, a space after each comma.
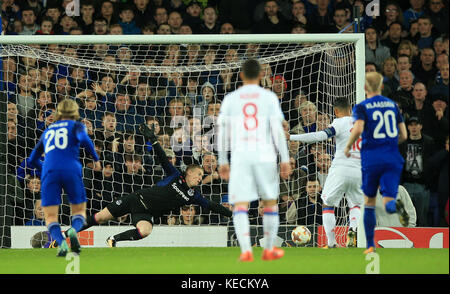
{"points": [[60, 142], [385, 119]]}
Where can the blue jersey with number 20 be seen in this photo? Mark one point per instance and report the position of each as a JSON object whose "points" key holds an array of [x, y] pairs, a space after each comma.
{"points": [[379, 144]]}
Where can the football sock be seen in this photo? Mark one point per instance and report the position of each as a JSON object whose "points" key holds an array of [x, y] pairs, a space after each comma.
{"points": [[78, 222], [370, 222], [354, 216], [130, 235], [329, 224], [271, 221], [242, 228], [55, 232], [391, 206]]}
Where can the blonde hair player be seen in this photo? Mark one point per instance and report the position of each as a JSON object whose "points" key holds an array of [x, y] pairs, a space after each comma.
{"points": [[380, 124], [62, 170], [250, 126]]}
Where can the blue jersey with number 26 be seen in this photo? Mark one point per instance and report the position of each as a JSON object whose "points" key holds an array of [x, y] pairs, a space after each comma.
{"points": [[61, 143], [379, 144]]}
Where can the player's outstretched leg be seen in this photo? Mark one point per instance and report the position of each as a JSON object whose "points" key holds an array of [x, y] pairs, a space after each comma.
{"points": [[329, 224], [354, 216], [242, 228], [369, 227], [271, 221], [143, 229]]}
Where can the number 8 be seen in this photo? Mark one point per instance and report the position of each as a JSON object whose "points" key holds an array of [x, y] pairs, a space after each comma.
{"points": [[251, 116]]}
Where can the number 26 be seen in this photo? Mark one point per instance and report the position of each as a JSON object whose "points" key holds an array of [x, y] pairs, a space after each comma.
{"points": [[60, 139]]}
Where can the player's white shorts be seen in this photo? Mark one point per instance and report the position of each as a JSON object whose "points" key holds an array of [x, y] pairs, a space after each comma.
{"points": [[248, 181], [343, 181]]}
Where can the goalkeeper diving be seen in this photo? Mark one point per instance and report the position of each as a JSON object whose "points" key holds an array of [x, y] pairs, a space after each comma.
{"points": [[169, 194]]}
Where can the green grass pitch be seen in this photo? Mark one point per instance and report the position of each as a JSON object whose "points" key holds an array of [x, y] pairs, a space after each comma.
{"points": [[152, 260]]}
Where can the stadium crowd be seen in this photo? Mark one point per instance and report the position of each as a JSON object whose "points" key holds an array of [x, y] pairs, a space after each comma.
{"points": [[408, 43]]}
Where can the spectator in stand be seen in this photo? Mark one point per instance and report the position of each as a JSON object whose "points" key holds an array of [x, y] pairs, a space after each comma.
{"points": [[212, 186], [426, 70], [404, 92], [416, 10], [142, 13], [108, 134], [439, 163], [125, 113], [290, 191], [209, 24], [15, 147], [421, 107], [439, 121], [38, 215], [321, 17], [188, 216], [107, 12], [193, 15], [394, 38], [441, 82], [392, 13], [308, 113], [416, 151], [273, 21], [32, 202], [298, 12], [438, 13], [310, 205], [86, 20], [340, 20], [133, 176], [66, 23], [375, 51], [426, 36], [127, 21], [24, 98], [175, 21], [30, 27], [438, 46], [160, 16], [101, 26], [227, 28], [164, 29], [46, 27], [280, 88]]}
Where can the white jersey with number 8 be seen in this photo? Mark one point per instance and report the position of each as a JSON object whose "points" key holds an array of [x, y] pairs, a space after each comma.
{"points": [[250, 125]]}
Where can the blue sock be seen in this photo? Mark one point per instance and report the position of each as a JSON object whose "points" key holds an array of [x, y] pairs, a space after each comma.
{"points": [[78, 222], [55, 232], [370, 222], [391, 206]]}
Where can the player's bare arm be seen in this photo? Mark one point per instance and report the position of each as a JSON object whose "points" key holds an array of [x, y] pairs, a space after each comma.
{"points": [[357, 130], [402, 133]]}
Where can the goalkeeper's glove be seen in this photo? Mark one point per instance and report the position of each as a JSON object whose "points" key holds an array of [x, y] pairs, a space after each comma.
{"points": [[148, 133]]}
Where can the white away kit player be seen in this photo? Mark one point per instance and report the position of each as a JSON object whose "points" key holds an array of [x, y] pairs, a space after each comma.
{"points": [[250, 126], [344, 176]]}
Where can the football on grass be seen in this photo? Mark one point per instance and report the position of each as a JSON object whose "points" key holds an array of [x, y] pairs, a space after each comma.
{"points": [[301, 235]]}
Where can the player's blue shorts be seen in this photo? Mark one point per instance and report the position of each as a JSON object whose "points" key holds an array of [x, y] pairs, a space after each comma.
{"points": [[54, 181], [385, 176]]}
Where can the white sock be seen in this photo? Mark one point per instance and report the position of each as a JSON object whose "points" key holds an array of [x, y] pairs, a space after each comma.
{"points": [[329, 224], [354, 216], [242, 228], [271, 221]]}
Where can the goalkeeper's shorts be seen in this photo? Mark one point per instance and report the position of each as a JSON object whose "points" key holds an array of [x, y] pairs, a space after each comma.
{"points": [[130, 204]]}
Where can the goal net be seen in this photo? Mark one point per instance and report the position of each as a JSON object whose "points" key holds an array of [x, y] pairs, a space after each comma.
{"points": [[178, 85]]}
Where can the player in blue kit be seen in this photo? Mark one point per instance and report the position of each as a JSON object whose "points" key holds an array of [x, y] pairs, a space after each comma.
{"points": [[379, 122], [62, 169]]}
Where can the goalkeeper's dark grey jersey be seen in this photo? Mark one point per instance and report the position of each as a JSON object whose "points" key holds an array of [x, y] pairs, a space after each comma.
{"points": [[172, 192]]}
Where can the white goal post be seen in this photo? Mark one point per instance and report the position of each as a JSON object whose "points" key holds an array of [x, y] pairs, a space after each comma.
{"points": [[340, 71]]}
